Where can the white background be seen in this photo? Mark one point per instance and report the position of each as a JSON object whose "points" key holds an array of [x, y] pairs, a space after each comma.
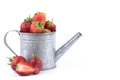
{"points": [[95, 56]]}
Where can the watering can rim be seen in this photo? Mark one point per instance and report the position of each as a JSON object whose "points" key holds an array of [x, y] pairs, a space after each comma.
{"points": [[34, 33]]}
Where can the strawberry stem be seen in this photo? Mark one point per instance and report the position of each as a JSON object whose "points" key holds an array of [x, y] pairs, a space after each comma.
{"points": [[28, 19], [33, 55], [52, 20]]}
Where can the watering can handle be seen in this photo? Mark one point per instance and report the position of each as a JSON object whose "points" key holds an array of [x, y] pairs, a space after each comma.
{"points": [[5, 40]]}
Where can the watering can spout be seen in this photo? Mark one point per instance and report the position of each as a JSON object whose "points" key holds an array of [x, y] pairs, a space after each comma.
{"points": [[66, 46]]}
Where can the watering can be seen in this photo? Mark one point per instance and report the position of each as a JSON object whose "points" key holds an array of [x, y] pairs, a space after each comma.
{"points": [[43, 45]]}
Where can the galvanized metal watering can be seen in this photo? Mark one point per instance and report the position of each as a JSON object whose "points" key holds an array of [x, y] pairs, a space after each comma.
{"points": [[43, 45]]}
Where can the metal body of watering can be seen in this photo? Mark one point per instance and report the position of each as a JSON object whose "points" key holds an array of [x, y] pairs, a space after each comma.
{"points": [[43, 45]]}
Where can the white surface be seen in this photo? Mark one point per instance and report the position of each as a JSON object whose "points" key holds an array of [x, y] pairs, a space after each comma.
{"points": [[95, 56]]}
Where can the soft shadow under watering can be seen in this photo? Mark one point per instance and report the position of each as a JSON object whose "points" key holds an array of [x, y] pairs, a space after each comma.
{"points": [[43, 45]]}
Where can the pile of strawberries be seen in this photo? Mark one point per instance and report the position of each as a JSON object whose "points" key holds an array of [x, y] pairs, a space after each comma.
{"points": [[37, 24], [23, 67]]}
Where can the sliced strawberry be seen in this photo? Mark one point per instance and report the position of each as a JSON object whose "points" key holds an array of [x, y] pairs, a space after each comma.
{"points": [[36, 63], [24, 68], [15, 60]]}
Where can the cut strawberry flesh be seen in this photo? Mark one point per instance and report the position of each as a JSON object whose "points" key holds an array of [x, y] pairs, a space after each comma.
{"points": [[24, 68]]}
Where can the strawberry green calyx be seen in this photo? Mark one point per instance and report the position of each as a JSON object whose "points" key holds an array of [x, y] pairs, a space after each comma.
{"points": [[11, 59], [28, 19], [39, 25], [50, 23]]}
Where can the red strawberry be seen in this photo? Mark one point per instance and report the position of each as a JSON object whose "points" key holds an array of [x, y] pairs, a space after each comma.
{"points": [[15, 60], [36, 27], [36, 63], [46, 31], [50, 25], [25, 26], [39, 17], [24, 68]]}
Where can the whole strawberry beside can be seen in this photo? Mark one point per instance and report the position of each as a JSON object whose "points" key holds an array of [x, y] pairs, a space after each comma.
{"points": [[36, 63]]}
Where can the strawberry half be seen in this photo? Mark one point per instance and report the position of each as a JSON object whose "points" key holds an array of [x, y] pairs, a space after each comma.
{"points": [[36, 63], [24, 68], [14, 61]]}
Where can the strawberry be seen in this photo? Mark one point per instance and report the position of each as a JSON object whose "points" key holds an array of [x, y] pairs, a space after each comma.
{"points": [[50, 25], [25, 26], [39, 17], [46, 31], [36, 27], [15, 60], [36, 63], [24, 68]]}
